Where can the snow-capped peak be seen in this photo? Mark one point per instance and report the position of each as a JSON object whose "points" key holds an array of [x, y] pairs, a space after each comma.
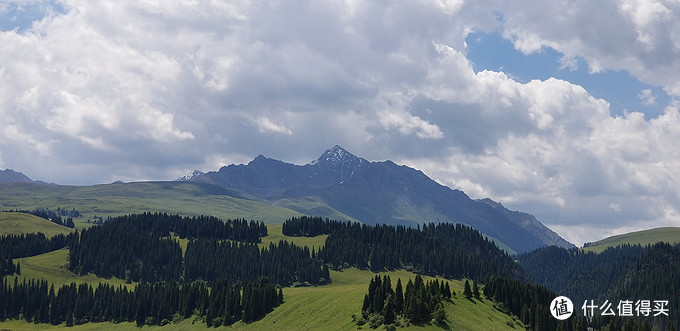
{"points": [[193, 174], [337, 155]]}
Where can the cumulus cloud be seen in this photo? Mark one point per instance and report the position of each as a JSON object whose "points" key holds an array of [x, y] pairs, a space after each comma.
{"points": [[130, 90], [265, 125], [637, 36]]}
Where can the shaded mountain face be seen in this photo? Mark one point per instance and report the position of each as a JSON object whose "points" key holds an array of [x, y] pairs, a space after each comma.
{"points": [[11, 176], [378, 192]]}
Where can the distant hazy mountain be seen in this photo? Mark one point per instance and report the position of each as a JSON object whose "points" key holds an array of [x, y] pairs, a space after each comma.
{"points": [[340, 183], [11, 176]]}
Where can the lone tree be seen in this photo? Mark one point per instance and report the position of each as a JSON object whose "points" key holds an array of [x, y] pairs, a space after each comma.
{"points": [[466, 291], [475, 289]]}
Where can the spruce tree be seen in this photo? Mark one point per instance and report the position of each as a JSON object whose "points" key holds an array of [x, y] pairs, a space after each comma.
{"points": [[388, 310], [398, 297], [447, 291], [475, 289], [466, 291], [69, 318]]}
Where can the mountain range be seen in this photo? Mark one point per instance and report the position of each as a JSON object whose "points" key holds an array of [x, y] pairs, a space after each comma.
{"points": [[340, 185]]}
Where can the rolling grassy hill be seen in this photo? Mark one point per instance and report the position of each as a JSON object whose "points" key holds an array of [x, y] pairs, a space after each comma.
{"points": [[183, 198], [645, 237], [19, 223]]}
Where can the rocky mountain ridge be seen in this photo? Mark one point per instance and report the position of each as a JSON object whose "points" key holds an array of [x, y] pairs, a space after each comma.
{"points": [[378, 192]]}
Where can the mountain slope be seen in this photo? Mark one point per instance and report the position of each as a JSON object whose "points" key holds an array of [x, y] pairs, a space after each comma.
{"points": [[184, 198], [378, 192], [670, 235], [11, 176]]}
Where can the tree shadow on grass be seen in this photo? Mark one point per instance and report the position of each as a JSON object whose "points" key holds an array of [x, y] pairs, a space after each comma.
{"points": [[443, 324]]}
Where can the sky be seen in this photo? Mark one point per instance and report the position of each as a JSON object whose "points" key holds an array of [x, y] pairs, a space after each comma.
{"points": [[568, 110]]}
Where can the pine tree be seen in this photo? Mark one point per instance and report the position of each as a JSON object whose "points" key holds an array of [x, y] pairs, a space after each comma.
{"points": [[447, 290], [475, 289], [466, 291], [388, 310], [398, 297], [69, 318]]}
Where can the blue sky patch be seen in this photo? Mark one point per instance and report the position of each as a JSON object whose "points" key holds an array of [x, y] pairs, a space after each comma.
{"points": [[489, 51], [20, 16]]}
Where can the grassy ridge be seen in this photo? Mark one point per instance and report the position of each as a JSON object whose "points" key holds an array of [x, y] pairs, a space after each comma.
{"points": [[20, 223], [645, 237], [190, 199]]}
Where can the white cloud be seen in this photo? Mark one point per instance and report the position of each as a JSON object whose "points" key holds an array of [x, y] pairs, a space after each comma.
{"points": [[140, 90], [638, 36], [407, 124], [266, 125]]}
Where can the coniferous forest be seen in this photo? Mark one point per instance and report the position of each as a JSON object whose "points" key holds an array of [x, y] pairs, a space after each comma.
{"points": [[217, 250], [626, 272], [420, 302], [158, 303], [444, 249], [222, 279]]}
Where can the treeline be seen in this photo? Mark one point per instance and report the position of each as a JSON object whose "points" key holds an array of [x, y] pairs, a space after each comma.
{"points": [[310, 226], [626, 272], [15, 246], [444, 249], [148, 304], [421, 302], [207, 227], [284, 263]]}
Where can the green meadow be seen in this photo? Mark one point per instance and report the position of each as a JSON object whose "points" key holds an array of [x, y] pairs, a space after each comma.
{"points": [[645, 237], [18, 223], [189, 199]]}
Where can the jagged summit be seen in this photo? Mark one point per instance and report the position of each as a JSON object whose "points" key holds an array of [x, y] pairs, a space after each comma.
{"points": [[337, 165], [193, 174], [337, 155]]}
